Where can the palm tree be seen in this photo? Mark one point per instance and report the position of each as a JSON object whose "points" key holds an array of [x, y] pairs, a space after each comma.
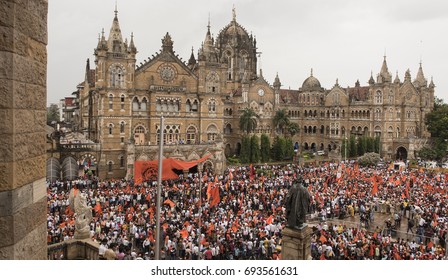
{"points": [[248, 120], [281, 120], [293, 128]]}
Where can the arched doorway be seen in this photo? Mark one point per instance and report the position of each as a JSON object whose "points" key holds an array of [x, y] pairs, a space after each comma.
{"points": [[402, 154], [228, 151], [238, 149]]}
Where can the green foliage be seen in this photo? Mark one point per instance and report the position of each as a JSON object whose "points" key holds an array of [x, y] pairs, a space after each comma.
{"points": [[352, 150], [245, 149], [254, 149], [293, 128], [52, 114], [437, 124], [265, 148], [282, 149], [248, 120], [281, 120]]}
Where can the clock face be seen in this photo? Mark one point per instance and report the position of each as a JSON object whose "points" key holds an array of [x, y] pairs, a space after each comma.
{"points": [[167, 73], [260, 92]]}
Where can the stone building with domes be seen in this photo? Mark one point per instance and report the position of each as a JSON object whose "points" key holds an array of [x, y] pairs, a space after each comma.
{"points": [[121, 103]]}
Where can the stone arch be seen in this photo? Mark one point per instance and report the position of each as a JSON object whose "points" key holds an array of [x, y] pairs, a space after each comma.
{"points": [[402, 153]]}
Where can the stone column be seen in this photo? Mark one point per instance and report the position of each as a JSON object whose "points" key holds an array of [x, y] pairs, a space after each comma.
{"points": [[23, 74], [296, 243]]}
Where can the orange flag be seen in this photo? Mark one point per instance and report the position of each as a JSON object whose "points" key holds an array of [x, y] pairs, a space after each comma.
{"points": [[323, 239], [430, 244], [269, 220], [184, 233], [214, 194], [375, 187], [169, 202], [97, 208]]}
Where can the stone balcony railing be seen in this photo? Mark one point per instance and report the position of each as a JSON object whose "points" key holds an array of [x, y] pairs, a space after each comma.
{"points": [[74, 250]]}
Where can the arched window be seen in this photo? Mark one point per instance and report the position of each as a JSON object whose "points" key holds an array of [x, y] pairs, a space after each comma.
{"points": [[191, 135], [135, 104], [378, 97], [121, 161], [143, 105], [122, 127], [116, 77], [122, 102], [111, 126], [188, 106], [109, 166], [111, 102]]}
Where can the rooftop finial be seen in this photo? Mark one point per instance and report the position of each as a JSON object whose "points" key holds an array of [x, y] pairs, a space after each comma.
{"points": [[311, 72], [234, 13], [116, 9]]}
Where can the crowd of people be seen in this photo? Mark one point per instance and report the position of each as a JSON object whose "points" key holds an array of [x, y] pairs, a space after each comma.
{"points": [[241, 214]]}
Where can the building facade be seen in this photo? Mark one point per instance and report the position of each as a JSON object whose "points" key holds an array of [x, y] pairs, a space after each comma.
{"points": [[121, 104]]}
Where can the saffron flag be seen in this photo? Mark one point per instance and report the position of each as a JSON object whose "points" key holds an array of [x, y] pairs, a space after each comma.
{"points": [[169, 202], [269, 220], [375, 187], [148, 169], [215, 198], [252, 172]]}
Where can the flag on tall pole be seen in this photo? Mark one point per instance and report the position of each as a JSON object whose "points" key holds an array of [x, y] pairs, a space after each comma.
{"points": [[252, 172]]}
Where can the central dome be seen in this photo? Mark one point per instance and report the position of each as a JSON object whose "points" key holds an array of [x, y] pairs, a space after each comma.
{"points": [[311, 84]]}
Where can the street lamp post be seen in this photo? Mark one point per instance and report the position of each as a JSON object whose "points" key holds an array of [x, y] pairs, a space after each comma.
{"points": [[345, 148], [159, 189]]}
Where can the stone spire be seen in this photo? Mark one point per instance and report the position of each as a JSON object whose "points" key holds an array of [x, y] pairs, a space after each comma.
{"points": [[132, 47], [277, 83], [192, 60], [384, 76], [115, 40], [102, 43], [167, 43], [371, 80], [397, 79], [431, 84], [420, 80]]}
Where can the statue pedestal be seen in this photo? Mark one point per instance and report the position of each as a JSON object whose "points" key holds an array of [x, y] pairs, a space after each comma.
{"points": [[296, 243]]}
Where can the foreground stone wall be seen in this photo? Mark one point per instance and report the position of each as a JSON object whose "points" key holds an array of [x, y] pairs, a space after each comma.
{"points": [[23, 68]]}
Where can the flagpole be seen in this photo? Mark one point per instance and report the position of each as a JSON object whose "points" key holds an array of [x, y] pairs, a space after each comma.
{"points": [[159, 189]]}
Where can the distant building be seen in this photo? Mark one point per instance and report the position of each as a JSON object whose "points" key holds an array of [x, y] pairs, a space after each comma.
{"points": [[120, 103]]}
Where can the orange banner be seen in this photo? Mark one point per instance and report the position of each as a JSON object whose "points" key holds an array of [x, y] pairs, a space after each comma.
{"points": [[149, 169]]}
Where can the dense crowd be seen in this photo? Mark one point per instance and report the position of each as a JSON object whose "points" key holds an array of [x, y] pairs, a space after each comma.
{"points": [[241, 214]]}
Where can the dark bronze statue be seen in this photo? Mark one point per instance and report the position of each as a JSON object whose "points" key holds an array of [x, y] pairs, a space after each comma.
{"points": [[297, 204]]}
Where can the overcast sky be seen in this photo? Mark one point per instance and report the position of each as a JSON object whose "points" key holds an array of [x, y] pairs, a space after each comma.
{"points": [[338, 39]]}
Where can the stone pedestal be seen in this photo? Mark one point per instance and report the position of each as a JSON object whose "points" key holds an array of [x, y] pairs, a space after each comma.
{"points": [[296, 243]]}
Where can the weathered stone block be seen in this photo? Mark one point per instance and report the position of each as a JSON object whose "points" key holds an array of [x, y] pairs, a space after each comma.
{"points": [[6, 65], [6, 96], [6, 231], [6, 147], [6, 124], [37, 51], [30, 170], [6, 13], [38, 95], [6, 175], [6, 38]]}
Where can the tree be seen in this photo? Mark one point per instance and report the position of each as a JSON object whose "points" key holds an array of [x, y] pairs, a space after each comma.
{"points": [[281, 120], [248, 120], [293, 128], [352, 151], [437, 123], [52, 114], [265, 148], [245, 149], [254, 149]]}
